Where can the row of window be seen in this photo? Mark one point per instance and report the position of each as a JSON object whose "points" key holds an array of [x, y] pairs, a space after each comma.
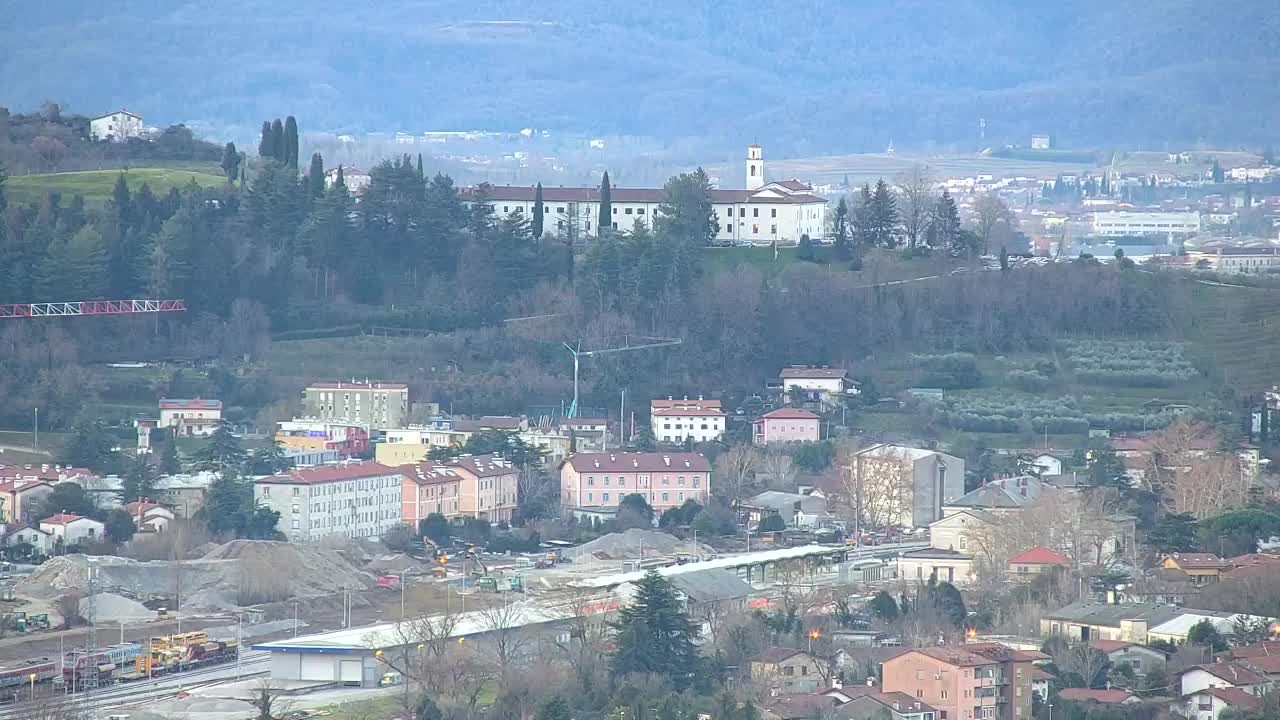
{"points": [[341, 487], [604, 497], [680, 426], [755, 229], [755, 212], [666, 480]]}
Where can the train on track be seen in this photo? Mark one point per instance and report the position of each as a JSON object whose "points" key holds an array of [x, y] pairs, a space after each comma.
{"points": [[18, 675], [134, 661]]}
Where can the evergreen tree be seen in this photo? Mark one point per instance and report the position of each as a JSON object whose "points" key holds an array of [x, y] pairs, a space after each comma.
{"points": [[1004, 259], [315, 176], [277, 140], [606, 205], [1248, 194], [266, 143], [841, 231], [539, 212], [90, 446], [686, 214], [327, 236], [222, 451], [555, 708], [170, 464], [654, 636], [119, 526], [230, 162], [139, 482], [882, 219], [944, 226], [421, 176], [1218, 175], [426, 709], [291, 142]]}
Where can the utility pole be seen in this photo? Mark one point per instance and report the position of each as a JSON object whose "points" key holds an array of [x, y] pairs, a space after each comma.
{"points": [[36, 434]]}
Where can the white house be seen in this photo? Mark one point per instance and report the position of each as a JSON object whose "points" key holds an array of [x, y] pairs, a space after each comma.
{"points": [[1048, 464], [357, 181], [816, 384], [674, 421], [352, 499], [116, 126], [1121, 224], [72, 529], [149, 517], [764, 213], [190, 417], [40, 541], [1222, 675], [1208, 704]]}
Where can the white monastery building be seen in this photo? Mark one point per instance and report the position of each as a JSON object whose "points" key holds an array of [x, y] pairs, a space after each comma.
{"points": [[351, 499], [1121, 224], [672, 421], [763, 213], [116, 126]]}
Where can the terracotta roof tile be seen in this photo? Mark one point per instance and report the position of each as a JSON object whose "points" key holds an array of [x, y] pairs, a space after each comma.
{"points": [[790, 414], [1040, 556], [1098, 696], [329, 473]]}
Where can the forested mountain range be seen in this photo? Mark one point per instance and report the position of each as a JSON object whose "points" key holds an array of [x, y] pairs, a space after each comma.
{"points": [[802, 75]]}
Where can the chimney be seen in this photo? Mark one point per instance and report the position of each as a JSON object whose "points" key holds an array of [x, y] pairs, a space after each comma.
{"points": [[666, 459]]}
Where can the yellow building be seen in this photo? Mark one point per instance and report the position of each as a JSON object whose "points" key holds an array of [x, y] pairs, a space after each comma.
{"points": [[1202, 568]]}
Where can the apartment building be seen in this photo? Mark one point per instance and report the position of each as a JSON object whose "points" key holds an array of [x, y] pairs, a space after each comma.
{"points": [[786, 425], [597, 482], [480, 486], [347, 439], [905, 486], [675, 421], [1122, 224], [353, 499], [978, 681], [379, 406]]}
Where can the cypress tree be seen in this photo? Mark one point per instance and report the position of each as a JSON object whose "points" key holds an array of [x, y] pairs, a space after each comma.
{"points": [[339, 180], [1218, 174], [606, 204], [266, 145], [420, 175], [291, 142], [840, 231], [539, 212], [315, 176], [277, 140], [230, 162], [883, 218]]}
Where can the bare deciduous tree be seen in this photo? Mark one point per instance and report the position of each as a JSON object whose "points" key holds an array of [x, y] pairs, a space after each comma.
{"points": [[780, 470], [915, 203], [1193, 475], [269, 702], [736, 469], [992, 213]]}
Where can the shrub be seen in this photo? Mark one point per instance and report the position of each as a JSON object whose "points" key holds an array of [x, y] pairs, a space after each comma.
{"points": [[1027, 381]]}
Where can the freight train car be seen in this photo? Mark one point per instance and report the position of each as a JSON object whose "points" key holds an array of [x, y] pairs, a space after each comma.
{"points": [[79, 665]]}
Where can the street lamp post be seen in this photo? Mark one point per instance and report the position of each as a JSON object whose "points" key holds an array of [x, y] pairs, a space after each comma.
{"points": [[32, 677], [402, 589], [239, 643], [813, 635]]}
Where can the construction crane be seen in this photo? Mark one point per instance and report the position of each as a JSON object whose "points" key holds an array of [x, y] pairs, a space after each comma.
{"points": [[612, 345], [90, 307]]}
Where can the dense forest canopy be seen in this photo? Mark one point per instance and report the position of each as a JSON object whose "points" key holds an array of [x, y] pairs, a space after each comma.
{"points": [[913, 72]]}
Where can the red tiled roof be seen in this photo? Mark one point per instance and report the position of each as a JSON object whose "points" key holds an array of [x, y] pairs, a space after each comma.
{"points": [[1040, 555], [189, 404], [1258, 649], [62, 519], [141, 508], [342, 384], [1038, 674], [813, 373], [639, 462], [790, 414], [484, 465], [23, 485], [1198, 561], [1098, 696], [1233, 672], [776, 654], [329, 473], [1269, 664], [671, 402], [1109, 646], [523, 193], [792, 185], [41, 472], [1234, 696], [500, 422], [687, 412], [951, 654], [428, 473]]}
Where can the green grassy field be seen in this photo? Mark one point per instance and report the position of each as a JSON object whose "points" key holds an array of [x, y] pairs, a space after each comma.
{"points": [[96, 185]]}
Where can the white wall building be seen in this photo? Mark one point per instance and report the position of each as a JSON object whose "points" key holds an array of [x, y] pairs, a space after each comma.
{"points": [[190, 418], [353, 499], [818, 384], [72, 529], [764, 213], [117, 126], [672, 421], [1121, 224]]}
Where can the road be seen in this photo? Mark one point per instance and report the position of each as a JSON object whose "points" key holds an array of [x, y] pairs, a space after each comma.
{"points": [[140, 692]]}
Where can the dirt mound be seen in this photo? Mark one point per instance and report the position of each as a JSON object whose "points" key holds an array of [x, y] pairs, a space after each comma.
{"points": [[112, 608], [238, 573], [632, 543]]}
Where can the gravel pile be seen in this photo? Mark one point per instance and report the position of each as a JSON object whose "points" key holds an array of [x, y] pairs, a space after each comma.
{"points": [[631, 543], [112, 608]]}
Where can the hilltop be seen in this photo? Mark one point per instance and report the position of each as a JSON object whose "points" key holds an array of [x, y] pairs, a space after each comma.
{"points": [[798, 75]]}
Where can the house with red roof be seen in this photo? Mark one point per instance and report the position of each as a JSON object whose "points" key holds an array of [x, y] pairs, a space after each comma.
{"points": [[1036, 562], [1221, 675], [785, 425], [675, 421], [1137, 656], [190, 417], [17, 535], [594, 484], [20, 497], [149, 516], [1201, 568], [1209, 703], [72, 529]]}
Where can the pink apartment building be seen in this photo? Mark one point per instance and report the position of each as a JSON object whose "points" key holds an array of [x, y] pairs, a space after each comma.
{"points": [[480, 486], [786, 425], [978, 681], [599, 481]]}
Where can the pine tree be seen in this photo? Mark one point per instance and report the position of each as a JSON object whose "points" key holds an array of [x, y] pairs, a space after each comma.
{"points": [[221, 452], [1218, 175], [291, 142], [654, 636], [882, 221], [606, 205], [139, 482], [315, 176], [266, 144], [277, 140], [230, 162], [170, 464], [944, 226], [555, 708], [539, 212], [421, 176], [327, 235], [841, 232]]}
